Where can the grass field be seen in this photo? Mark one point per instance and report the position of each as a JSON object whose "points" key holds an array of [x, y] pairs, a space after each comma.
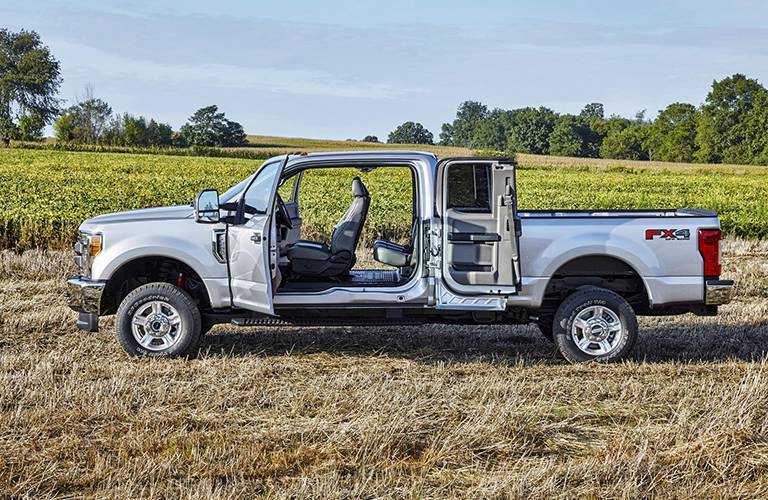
{"points": [[44, 195], [381, 412]]}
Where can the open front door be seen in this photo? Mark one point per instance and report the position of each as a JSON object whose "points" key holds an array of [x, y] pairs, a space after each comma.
{"points": [[477, 202], [252, 243]]}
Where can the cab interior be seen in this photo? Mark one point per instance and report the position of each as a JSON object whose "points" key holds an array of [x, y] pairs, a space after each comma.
{"points": [[312, 256]]}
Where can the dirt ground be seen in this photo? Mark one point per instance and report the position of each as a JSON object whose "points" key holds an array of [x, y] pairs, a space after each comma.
{"points": [[381, 412]]}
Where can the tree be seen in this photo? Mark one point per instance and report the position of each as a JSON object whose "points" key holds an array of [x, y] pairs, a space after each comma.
{"points": [[574, 136], [233, 135], [612, 125], [411, 133], [446, 134], [530, 129], [31, 127], [208, 127], [462, 131], [87, 120], [134, 130], [491, 132], [64, 128], [29, 81], [672, 136], [159, 134], [566, 138], [721, 126], [628, 144], [756, 131], [370, 138], [593, 111], [92, 118], [129, 130]]}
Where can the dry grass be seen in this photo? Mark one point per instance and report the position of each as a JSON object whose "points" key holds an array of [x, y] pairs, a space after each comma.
{"points": [[386, 412]]}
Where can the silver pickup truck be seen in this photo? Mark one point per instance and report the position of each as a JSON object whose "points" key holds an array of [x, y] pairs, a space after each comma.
{"points": [[172, 273]]}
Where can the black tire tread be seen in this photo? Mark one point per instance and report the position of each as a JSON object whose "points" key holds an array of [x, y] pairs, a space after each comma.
{"points": [[590, 293], [175, 293]]}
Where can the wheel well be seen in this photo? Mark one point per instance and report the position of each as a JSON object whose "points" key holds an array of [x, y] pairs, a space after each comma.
{"points": [[137, 272], [596, 270]]}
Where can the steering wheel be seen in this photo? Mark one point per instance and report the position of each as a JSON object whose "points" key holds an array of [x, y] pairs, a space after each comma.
{"points": [[282, 213]]}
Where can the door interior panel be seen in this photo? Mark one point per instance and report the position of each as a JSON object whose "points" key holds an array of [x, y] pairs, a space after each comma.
{"points": [[480, 251], [472, 243]]}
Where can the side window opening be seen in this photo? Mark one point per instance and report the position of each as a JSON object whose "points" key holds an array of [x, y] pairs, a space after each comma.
{"points": [[469, 187]]}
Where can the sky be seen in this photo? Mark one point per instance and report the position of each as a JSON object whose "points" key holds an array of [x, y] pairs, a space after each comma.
{"points": [[338, 69]]}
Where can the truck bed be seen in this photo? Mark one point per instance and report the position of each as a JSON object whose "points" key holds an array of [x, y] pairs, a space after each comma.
{"points": [[626, 214]]}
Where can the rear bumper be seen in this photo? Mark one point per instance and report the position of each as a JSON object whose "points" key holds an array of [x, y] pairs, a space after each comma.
{"points": [[718, 292], [84, 295]]}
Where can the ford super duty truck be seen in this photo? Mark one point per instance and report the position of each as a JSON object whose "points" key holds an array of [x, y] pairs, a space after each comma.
{"points": [[472, 257]]}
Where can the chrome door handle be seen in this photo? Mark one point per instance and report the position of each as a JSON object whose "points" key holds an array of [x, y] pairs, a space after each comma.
{"points": [[256, 237]]}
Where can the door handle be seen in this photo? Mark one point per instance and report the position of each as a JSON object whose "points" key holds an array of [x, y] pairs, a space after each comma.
{"points": [[256, 237], [473, 237]]}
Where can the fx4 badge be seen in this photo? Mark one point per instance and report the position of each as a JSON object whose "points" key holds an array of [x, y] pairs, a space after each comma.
{"points": [[667, 234]]}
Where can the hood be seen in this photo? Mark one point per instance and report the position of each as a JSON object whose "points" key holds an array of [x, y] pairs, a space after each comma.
{"points": [[145, 214]]}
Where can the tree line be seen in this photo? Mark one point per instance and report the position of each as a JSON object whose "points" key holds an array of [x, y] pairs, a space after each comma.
{"points": [[91, 121], [731, 126]]}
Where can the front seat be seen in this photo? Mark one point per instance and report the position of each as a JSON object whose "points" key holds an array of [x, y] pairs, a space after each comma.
{"points": [[314, 259]]}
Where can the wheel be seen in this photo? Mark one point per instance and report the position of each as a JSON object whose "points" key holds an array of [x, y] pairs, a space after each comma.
{"points": [[545, 327], [594, 324], [159, 320]]}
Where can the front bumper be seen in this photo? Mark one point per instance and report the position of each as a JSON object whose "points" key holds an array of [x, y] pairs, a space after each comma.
{"points": [[718, 292], [84, 295]]}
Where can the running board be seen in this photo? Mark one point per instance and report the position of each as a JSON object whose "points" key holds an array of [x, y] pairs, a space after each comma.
{"points": [[271, 321]]}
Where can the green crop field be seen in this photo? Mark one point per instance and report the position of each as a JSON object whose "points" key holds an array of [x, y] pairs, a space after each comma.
{"points": [[44, 195]]}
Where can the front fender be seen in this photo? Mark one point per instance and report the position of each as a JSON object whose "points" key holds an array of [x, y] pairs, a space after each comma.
{"points": [[198, 256]]}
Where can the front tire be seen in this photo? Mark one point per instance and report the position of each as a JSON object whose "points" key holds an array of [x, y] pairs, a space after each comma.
{"points": [[595, 324], [158, 320]]}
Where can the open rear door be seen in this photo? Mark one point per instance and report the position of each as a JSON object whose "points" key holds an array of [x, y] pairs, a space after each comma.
{"points": [[480, 255]]}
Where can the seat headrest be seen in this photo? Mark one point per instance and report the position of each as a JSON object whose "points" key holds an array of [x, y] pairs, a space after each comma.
{"points": [[358, 188]]}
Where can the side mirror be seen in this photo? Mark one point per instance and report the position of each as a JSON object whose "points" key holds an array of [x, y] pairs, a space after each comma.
{"points": [[207, 206]]}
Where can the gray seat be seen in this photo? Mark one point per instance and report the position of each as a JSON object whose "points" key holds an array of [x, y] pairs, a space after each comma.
{"points": [[315, 259], [393, 254]]}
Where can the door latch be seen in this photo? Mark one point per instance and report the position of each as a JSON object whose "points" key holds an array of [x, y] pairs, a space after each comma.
{"points": [[256, 238]]}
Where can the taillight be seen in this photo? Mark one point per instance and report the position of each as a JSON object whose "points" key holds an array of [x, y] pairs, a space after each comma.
{"points": [[709, 248]]}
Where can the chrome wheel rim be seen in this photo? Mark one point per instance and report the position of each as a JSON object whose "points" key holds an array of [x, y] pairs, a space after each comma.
{"points": [[597, 330], [156, 325]]}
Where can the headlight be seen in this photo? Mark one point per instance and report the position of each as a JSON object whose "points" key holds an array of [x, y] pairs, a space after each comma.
{"points": [[88, 246], [94, 244]]}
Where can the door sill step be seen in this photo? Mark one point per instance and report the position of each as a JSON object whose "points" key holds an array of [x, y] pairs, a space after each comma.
{"points": [[270, 321]]}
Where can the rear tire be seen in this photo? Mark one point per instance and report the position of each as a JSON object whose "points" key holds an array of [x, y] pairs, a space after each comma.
{"points": [[158, 320], [595, 324]]}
